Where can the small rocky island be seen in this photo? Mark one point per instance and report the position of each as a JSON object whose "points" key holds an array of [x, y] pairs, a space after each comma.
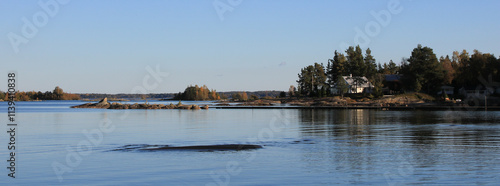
{"points": [[104, 104]]}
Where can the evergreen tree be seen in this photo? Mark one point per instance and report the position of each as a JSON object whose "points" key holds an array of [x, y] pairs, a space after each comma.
{"points": [[356, 65], [336, 66], [311, 79], [476, 67], [392, 67], [341, 86], [370, 65], [424, 71]]}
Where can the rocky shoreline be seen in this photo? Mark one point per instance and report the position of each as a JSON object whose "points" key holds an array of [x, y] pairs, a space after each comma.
{"points": [[104, 104], [386, 103], [389, 103]]}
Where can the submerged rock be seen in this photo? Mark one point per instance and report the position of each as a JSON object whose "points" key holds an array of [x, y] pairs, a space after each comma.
{"points": [[209, 147], [223, 147]]}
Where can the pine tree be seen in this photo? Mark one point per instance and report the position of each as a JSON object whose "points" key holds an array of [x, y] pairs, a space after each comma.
{"points": [[336, 66], [370, 65], [341, 86], [356, 64], [424, 71], [312, 79]]}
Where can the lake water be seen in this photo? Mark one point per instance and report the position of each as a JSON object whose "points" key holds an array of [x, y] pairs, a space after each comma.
{"points": [[57, 145]]}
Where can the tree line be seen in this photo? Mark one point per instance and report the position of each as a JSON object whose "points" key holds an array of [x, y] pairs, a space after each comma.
{"points": [[421, 72], [424, 72], [197, 93], [316, 80], [56, 94]]}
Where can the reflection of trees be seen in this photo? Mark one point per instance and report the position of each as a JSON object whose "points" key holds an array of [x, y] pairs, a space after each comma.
{"points": [[352, 123], [350, 140], [344, 129], [445, 128], [313, 122], [417, 127]]}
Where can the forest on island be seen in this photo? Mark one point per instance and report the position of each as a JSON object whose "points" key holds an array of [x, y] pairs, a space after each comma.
{"points": [[421, 72], [56, 94], [197, 93]]}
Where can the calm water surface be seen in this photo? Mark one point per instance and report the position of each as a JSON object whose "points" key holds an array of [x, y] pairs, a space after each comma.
{"points": [[57, 145]]}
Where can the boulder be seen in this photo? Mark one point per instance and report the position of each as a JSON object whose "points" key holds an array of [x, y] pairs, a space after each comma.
{"points": [[171, 106], [102, 104], [134, 106], [143, 106], [104, 100], [184, 107]]}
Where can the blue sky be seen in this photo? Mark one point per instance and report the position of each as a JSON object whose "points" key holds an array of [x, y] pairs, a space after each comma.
{"points": [[105, 46]]}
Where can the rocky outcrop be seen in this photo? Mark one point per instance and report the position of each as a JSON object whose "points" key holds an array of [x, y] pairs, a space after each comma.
{"points": [[396, 101], [260, 103], [101, 104], [104, 104], [186, 107]]}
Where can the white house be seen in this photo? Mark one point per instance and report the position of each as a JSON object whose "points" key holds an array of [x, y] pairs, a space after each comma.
{"points": [[355, 84]]}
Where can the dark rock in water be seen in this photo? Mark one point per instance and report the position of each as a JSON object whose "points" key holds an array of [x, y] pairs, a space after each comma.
{"points": [[304, 141], [224, 147]]}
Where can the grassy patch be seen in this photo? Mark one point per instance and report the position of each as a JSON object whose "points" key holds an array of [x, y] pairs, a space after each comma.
{"points": [[421, 96]]}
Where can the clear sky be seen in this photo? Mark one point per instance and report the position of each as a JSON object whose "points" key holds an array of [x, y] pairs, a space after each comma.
{"points": [[96, 46]]}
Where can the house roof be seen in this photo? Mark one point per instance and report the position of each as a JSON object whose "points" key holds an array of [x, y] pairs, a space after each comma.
{"points": [[392, 77], [351, 81]]}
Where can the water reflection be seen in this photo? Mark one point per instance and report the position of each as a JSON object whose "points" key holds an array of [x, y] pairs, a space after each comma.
{"points": [[418, 142], [337, 123], [418, 127], [315, 147]]}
